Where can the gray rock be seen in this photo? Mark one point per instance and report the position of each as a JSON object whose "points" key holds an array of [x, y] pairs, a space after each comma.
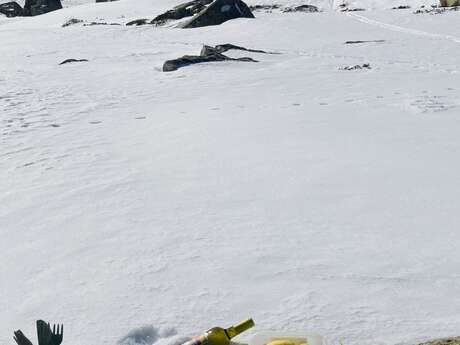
{"points": [[72, 21], [356, 67], [37, 7], [361, 42], [138, 22], [184, 10], [11, 9], [222, 48], [72, 60], [218, 12], [208, 54], [100, 23], [265, 7], [302, 8]]}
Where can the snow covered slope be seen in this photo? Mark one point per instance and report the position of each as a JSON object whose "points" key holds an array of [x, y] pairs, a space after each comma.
{"points": [[309, 197]]}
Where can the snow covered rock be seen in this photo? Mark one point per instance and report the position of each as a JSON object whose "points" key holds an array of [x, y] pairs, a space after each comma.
{"points": [[37, 7], [302, 8], [72, 60], [203, 13], [219, 12], [184, 10], [11, 9], [208, 54]]}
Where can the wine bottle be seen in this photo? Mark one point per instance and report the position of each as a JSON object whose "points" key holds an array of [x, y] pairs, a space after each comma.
{"points": [[221, 336]]}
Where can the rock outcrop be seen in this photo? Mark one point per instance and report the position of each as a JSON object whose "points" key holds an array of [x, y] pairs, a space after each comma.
{"points": [[302, 8], [209, 54], [37, 7], [202, 13], [11, 9], [218, 12], [184, 10]]}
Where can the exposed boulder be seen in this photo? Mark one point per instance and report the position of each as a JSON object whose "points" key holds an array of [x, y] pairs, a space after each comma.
{"points": [[37, 7], [203, 13], [265, 7], [11, 9], [343, 7], [72, 21], [100, 23], [222, 48], [184, 10], [361, 42], [138, 22], [433, 10], [356, 67], [72, 60], [302, 8], [218, 12], [268, 8], [209, 54]]}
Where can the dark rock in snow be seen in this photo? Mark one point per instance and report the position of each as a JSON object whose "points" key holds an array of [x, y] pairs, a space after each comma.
{"points": [[401, 7], [218, 12], [11, 9], [203, 13], [72, 60], [100, 23], [72, 22], [222, 48], [436, 10], [352, 9], [344, 8], [302, 8], [356, 67], [184, 10], [138, 22], [266, 8], [208, 54], [37, 7], [360, 42]]}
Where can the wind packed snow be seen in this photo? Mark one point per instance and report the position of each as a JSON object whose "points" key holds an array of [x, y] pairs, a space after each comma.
{"points": [[139, 207]]}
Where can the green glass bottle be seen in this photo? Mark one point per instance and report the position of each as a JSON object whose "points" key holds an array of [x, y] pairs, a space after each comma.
{"points": [[221, 336]]}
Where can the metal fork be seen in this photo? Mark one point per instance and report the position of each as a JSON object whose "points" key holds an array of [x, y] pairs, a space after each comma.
{"points": [[57, 334]]}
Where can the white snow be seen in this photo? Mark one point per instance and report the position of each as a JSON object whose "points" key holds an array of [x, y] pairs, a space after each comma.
{"points": [[308, 197]]}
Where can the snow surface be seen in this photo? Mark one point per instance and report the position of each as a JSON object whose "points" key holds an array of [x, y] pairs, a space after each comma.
{"points": [[140, 206]]}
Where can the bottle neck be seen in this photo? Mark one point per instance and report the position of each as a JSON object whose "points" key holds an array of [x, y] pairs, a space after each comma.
{"points": [[239, 328]]}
